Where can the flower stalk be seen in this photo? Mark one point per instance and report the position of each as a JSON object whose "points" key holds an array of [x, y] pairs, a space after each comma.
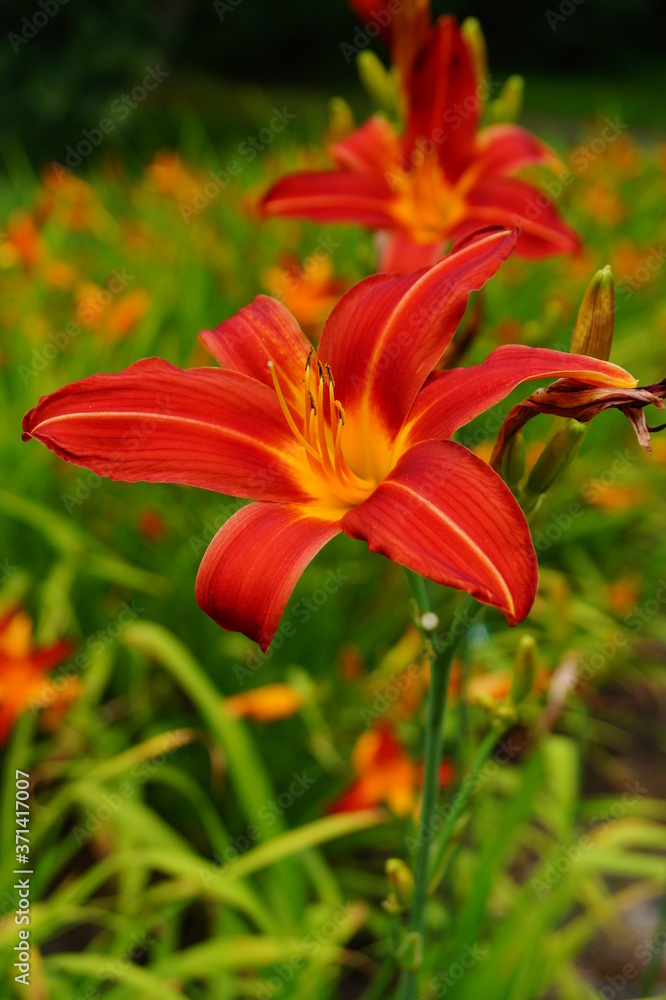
{"points": [[440, 669]]}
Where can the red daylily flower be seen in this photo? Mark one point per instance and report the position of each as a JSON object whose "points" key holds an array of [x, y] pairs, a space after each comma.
{"points": [[356, 439], [23, 668], [386, 775], [442, 180]]}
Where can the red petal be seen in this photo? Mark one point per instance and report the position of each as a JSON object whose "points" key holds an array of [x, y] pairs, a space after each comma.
{"points": [[333, 196], [400, 253], [445, 514], [367, 11], [372, 148], [503, 201], [153, 422], [451, 399], [443, 100], [502, 149], [261, 332], [385, 335], [252, 565]]}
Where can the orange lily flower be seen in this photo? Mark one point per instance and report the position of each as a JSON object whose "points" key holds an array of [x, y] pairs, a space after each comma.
{"points": [[440, 181], [356, 439], [265, 704], [385, 774], [22, 667]]}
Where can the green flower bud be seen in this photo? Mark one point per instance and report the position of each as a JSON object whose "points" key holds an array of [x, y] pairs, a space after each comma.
{"points": [[377, 80], [512, 468], [473, 34], [508, 105], [555, 458], [593, 332], [340, 119], [401, 881]]}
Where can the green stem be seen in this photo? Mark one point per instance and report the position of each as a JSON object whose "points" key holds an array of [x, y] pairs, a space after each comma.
{"points": [[460, 802], [440, 668]]}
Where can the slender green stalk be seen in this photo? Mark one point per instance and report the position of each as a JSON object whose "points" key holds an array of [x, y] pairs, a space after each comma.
{"points": [[460, 802], [440, 668]]}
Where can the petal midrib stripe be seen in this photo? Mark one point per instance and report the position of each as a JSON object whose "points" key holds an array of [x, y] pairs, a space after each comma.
{"points": [[462, 534]]}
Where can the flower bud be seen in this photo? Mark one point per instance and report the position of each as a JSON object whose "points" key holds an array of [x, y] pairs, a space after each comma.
{"points": [[512, 468], [401, 881], [340, 119], [473, 35], [593, 332], [524, 670], [377, 80], [555, 458], [508, 105]]}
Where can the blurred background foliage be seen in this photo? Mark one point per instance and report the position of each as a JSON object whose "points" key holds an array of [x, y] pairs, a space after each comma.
{"points": [[151, 702], [65, 77]]}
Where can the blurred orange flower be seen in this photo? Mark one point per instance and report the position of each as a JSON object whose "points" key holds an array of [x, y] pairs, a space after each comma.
{"points": [[168, 175], [386, 774], [113, 318], [308, 290], [265, 704], [23, 244], [71, 203], [22, 668]]}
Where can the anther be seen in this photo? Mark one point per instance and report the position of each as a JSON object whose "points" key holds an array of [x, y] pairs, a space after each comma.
{"points": [[321, 371], [312, 403], [341, 412], [330, 376]]}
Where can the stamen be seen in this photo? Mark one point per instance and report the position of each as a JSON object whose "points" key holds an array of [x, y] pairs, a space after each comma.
{"points": [[287, 414]]}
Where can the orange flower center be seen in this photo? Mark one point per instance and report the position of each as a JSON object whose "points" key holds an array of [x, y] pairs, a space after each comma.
{"points": [[321, 431], [427, 204]]}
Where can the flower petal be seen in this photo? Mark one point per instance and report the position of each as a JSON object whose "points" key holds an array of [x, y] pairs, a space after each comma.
{"points": [[450, 399], [261, 332], [252, 565], [400, 253], [504, 201], [333, 196], [385, 335], [219, 430], [502, 149], [443, 101], [445, 514], [372, 148]]}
